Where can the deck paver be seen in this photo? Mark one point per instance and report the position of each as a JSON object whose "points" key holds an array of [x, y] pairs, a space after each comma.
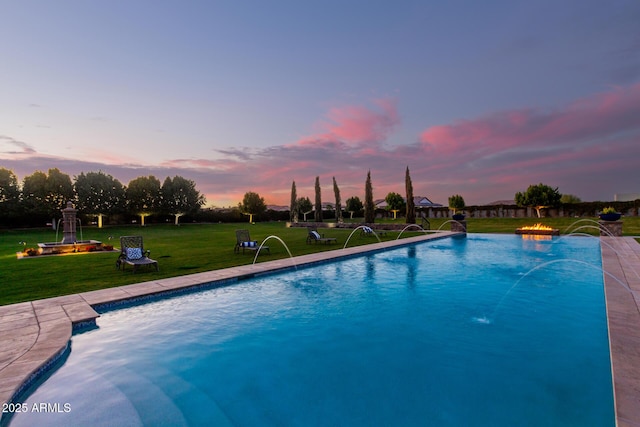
{"points": [[621, 261]]}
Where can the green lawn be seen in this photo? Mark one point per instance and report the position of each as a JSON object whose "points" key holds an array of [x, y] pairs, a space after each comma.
{"points": [[179, 250], [186, 249]]}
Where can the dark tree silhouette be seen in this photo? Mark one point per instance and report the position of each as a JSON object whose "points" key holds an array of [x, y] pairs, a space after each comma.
{"points": [[318, 204], [369, 207], [411, 206]]}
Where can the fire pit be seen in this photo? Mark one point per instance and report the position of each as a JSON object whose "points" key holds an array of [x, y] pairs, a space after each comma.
{"points": [[538, 230]]}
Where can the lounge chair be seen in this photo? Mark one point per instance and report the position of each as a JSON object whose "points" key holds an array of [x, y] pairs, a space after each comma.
{"points": [[368, 231], [132, 252], [314, 236], [244, 242]]}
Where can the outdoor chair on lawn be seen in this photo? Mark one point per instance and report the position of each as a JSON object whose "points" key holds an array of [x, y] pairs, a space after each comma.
{"points": [[368, 231], [314, 236], [244, 242], [132, 252]]}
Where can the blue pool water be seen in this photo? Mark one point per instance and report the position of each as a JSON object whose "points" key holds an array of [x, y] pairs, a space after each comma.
{"points": [[484, 330]]}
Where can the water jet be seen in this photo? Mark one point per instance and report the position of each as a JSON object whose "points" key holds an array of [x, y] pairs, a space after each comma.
{"points": [[283, 244], [362, 227]]}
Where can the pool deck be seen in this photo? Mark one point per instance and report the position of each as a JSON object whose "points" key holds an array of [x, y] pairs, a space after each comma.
{"points": [[34, 334], [621, 259]]}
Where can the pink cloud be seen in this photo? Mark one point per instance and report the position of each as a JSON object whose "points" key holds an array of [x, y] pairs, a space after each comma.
{"points": [[484, 158], [11, 147], [356, 124], [202, 164], [588, 117], [583, 122]]}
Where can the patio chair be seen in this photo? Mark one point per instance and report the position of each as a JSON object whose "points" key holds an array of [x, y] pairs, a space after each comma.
{"points": [[314, 236], [244, 242], [132, 252], [368, 231]]}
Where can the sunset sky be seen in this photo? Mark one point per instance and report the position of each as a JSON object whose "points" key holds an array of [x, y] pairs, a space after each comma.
{"points": [[479, 98]]}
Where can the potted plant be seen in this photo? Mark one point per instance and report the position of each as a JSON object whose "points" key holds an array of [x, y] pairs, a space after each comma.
{"points": [[609, 214], [456, 203]]}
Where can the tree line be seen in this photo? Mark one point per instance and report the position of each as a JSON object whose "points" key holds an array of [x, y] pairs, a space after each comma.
{"points": [[41, 196], [353, 205]]}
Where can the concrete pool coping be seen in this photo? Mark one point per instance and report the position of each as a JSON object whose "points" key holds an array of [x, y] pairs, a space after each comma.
{"points": [[35, 334], [621, 259]]}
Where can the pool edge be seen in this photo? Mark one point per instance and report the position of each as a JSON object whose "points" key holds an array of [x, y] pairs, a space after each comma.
{"points": [[621, 261]]}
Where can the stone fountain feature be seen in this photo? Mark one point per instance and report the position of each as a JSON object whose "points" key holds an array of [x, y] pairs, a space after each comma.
{"points": [[69, 217], [69, 242]]}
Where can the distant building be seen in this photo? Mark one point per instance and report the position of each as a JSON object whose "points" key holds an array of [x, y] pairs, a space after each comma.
{"points": [[380, 203], [418, 201], [277, 208], [626, 197], [326, 206], [424, 202], [509, 202]]}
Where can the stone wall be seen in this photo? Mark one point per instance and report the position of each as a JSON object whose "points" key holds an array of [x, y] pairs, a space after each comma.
{"points": [[589, 210], [575, 210], [375, 226]]}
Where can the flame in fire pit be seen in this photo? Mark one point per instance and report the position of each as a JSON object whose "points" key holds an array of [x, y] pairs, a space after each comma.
{"points": [[536, 227]]}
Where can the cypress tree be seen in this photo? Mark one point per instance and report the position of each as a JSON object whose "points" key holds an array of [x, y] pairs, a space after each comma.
{"points": [[336, 192], [318, 215], [411, 207], [369, 207], [293, 208]]}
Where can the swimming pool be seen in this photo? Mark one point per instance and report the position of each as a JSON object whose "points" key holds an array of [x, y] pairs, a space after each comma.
{"points": [[484, 330]]}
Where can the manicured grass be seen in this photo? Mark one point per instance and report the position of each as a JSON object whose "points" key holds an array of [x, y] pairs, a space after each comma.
{"points": [[190, 249], [180, 250]]}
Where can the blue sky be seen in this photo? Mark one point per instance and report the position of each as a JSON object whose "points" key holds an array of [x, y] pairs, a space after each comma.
{"points": [[477, 98]]}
